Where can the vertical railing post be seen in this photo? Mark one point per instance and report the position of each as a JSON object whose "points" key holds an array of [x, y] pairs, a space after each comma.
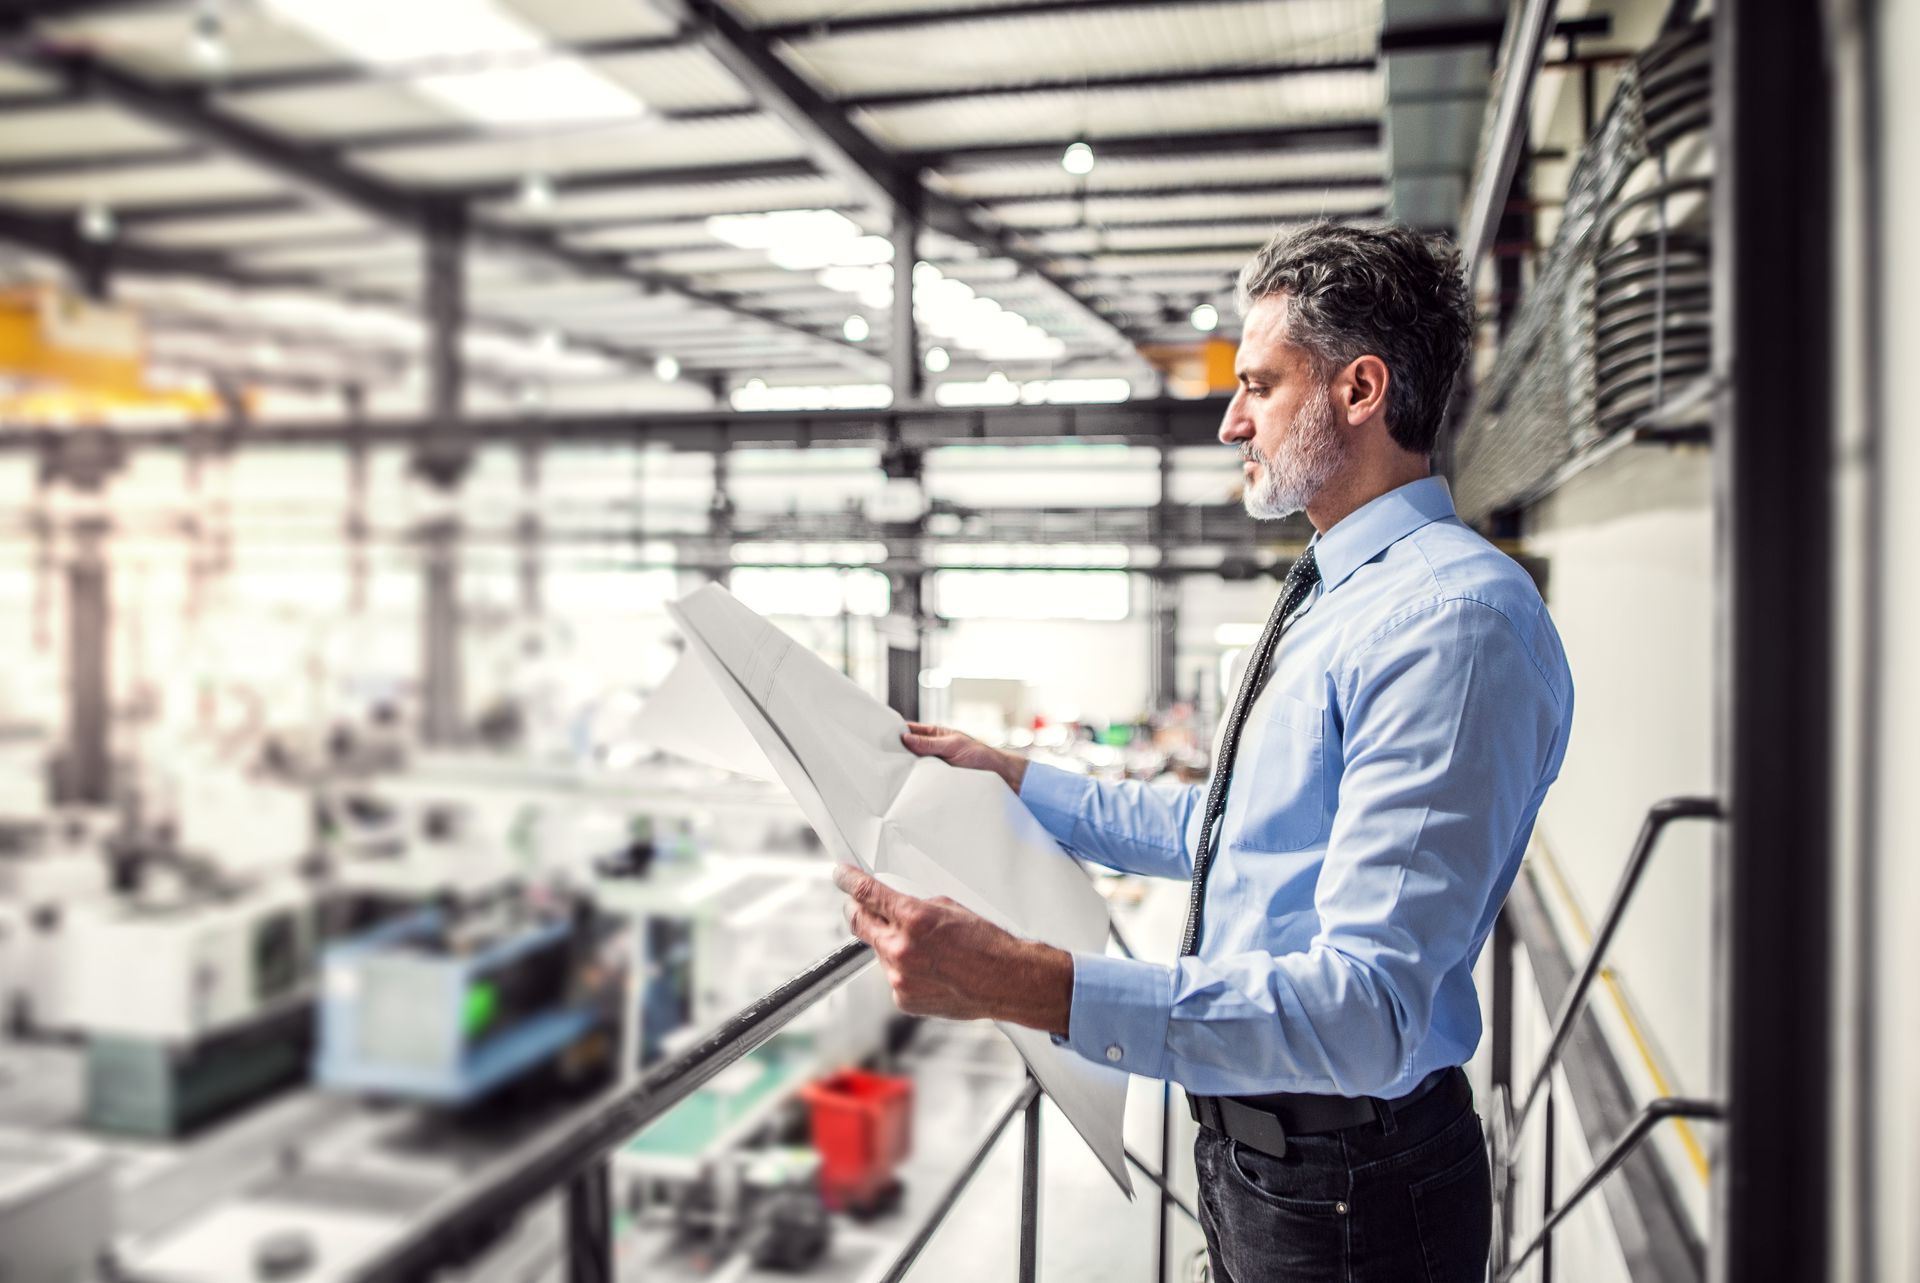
{"points": [[1166, 1182], [1546, 1186], [1500, 1050], [589, 1213], [1030, 1194]]}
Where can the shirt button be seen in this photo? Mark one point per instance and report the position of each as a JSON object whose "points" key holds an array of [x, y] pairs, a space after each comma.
{"points": [[1113, 1053], [1340, 1209]]}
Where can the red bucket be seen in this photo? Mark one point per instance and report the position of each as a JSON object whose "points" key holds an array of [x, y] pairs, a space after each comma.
{"points": [[863, 1128]]}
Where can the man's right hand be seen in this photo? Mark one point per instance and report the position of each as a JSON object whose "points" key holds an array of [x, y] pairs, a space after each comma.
{"points": [[964, 750]]}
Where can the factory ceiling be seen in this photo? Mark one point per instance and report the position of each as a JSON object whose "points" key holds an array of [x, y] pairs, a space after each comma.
{"points": [[670, 198]]}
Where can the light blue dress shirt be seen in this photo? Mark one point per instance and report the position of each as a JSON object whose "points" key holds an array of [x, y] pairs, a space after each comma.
{"points": [[1386, 784]]}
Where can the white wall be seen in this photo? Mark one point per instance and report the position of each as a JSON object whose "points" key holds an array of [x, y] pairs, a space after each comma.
{"points": [[1629, 546]]}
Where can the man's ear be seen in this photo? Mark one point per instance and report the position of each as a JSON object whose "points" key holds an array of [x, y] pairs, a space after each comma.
{"points": [[1361, 390]]}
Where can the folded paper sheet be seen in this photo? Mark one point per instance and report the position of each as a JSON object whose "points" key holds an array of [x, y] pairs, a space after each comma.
{"points": [[916, 823]]}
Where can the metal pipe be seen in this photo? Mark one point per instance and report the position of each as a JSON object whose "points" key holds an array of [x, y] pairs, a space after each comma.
{"points": [[1030, 1193], [1656, 1112], [454, 1223], [1658, 818], [910, 1254], [589, 1213], [1521, 54]]}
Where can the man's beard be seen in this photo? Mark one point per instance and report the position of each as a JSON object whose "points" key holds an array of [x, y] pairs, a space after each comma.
{"points": [[1312, 452]]}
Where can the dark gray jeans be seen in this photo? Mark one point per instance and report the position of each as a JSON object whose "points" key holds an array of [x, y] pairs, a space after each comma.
{"points": [[1413, 1204]]}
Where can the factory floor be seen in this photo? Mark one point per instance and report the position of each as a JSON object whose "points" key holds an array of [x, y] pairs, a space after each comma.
{"points": [[963, 1075]]}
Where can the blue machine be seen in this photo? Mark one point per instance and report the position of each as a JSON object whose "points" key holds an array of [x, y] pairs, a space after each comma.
{"points": [[436, 1008]]}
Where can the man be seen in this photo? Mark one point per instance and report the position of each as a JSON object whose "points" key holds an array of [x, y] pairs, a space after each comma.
{"points": [[1374, 786]]}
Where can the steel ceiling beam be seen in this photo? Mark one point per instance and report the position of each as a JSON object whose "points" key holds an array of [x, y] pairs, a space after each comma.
{"points": [[1153, 422], [907, 20], [1289, 139], [841, 148], [329, 180], [492, 189], [60, 240], [1252, 187], [1236, 73]]}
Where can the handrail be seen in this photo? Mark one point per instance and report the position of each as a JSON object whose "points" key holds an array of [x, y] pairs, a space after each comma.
{"points": [[1656, 1112], [1658, 818], [450, 1226], [1022, 1099]]}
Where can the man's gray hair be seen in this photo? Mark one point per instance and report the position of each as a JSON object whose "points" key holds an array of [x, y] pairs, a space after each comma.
{"points": [[1386, 291]]}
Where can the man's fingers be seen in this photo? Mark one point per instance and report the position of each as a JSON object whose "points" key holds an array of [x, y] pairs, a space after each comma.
{"points": [[926, 728], [879, 900]]}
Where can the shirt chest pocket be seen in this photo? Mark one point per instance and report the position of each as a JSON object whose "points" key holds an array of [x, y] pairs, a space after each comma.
{"points": [[1278, 798]]}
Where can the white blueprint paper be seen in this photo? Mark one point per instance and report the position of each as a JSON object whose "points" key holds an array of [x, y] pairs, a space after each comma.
{"points": [[914, 822]]}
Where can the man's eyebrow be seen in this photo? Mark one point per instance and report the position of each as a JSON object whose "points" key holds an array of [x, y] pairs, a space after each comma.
{"points": [[1260, 372]]}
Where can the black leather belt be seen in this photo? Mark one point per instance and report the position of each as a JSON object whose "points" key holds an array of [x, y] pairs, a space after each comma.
{"points": [[1265, 1122]]}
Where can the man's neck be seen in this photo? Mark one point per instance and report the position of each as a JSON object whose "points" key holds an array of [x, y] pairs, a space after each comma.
{"points": [[1355, 489]]}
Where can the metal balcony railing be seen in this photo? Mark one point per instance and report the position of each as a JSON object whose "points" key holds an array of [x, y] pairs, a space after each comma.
{"points": [[1512, 1124], [577, 1160]]}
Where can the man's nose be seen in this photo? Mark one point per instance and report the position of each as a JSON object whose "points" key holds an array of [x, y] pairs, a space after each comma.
{"points": [[1235, 425]]}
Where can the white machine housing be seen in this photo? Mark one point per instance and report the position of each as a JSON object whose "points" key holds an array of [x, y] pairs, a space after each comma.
{"points": [[56, 1207], [178, 972], [43, 880]]}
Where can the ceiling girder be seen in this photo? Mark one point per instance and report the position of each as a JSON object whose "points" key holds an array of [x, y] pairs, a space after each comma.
{"points": [[330, 181]]}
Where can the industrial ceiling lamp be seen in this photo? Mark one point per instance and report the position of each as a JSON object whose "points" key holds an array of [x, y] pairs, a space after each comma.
{"points": [[1205, 318], [938, 360], [207, 44], [666, 369], [856, 328], [536, 192], [1078, 159], [97, 222]]}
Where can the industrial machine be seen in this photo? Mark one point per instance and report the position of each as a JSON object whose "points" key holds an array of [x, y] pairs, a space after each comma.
{"points": [[194, 999], [56, 1207], [47, 868], [448, 1005]]}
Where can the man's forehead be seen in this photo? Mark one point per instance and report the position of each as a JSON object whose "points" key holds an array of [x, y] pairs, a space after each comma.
{"points": [[1263, 337]]}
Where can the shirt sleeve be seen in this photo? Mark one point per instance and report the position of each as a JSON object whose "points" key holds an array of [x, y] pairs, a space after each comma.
{"points": [[1448, 729], [1125, 824]]}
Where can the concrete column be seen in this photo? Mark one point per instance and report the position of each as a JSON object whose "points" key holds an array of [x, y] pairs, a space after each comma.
{"points": [[904, 335], [1164, 593], [359, 569], [88, 755], [442, 463], [530, 533], [720, 518], [81, 461]]}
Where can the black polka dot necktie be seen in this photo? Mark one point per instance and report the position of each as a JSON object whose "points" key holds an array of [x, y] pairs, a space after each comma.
{"points": [[1299, 584]]}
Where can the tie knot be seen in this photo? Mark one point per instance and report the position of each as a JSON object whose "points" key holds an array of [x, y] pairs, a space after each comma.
{"points": [[1305, 570]]}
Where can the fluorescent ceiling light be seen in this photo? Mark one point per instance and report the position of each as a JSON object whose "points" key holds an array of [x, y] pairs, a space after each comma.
{"points": [[517, 76], [756, 395], [803, 240]]}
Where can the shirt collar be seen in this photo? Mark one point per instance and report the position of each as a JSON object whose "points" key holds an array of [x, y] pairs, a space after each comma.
{"points": [[1377, 525]]}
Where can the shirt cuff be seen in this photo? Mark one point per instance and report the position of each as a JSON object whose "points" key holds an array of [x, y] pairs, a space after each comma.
{"points": [[1120, 1011], [1057, 798]]}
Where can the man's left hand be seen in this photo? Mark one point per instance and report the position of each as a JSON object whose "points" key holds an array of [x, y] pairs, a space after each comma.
{"points": [[946, 960]]}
